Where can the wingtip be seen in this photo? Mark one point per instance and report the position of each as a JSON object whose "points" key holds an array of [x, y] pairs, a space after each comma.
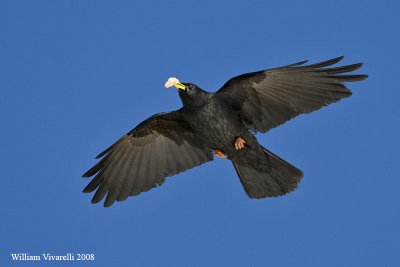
{"points": [[335, 60], [92, 171], [107, 150], [87, 189], [86, 174], [296, 64], [322, 64], [356, 66], [363, 77], [95, 201], [108, 204]]}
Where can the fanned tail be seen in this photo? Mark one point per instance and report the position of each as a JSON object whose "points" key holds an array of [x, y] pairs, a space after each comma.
{"points": [[281, 178]]}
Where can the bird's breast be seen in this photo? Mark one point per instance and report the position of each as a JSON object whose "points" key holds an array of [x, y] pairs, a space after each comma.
{"points": [[217, 123]]}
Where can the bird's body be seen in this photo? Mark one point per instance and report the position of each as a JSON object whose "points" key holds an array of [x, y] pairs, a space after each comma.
{"points": [[218, 126], [224, 122], [217, 123]]}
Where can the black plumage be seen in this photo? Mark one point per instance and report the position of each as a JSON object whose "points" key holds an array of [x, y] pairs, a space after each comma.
{"points": [[171, 142]]}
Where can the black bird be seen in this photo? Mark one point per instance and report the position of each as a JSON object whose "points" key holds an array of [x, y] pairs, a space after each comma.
{"points": [[224, 122]]}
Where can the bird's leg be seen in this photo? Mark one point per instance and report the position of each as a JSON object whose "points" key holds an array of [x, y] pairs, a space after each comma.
{"points": [[219, 154], [239, 143]]}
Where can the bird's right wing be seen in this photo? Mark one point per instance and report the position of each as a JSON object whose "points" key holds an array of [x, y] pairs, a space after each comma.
{"points": [[268, 98], [161, 146]]}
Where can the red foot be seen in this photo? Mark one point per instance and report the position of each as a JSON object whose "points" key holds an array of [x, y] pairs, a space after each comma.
{"points": [[239, 143], [219, 154]]}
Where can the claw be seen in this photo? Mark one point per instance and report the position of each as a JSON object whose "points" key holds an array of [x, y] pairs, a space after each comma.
{"points": [[239, 143], [219, 154]]}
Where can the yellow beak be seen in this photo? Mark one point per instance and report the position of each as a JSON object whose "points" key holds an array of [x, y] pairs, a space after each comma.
{"points": [[180, 86]]}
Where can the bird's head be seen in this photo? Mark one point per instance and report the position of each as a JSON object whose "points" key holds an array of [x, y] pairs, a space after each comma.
{"points": [[190, 94]]}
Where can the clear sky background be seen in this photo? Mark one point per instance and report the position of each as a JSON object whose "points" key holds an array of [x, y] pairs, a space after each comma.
{"points": [[77, 75]]}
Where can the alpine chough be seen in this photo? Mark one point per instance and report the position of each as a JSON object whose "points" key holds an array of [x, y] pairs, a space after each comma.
{"points": [[223, 123]]}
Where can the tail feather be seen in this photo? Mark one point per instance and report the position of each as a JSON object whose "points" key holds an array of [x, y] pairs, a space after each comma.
{"points": [[281, 177]]}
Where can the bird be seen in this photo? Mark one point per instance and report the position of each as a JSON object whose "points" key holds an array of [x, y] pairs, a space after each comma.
{"points": [[222, 124]]}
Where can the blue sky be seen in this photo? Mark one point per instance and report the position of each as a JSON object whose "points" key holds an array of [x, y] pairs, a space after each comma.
{"points": [[77, 75]]}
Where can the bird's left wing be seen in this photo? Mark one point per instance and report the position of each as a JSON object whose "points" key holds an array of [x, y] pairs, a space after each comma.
{"points": [[268, 98], [161, 146]]}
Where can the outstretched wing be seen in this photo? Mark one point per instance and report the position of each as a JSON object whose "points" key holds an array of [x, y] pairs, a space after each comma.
{"points": [[268, 98], [161, 146]]}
